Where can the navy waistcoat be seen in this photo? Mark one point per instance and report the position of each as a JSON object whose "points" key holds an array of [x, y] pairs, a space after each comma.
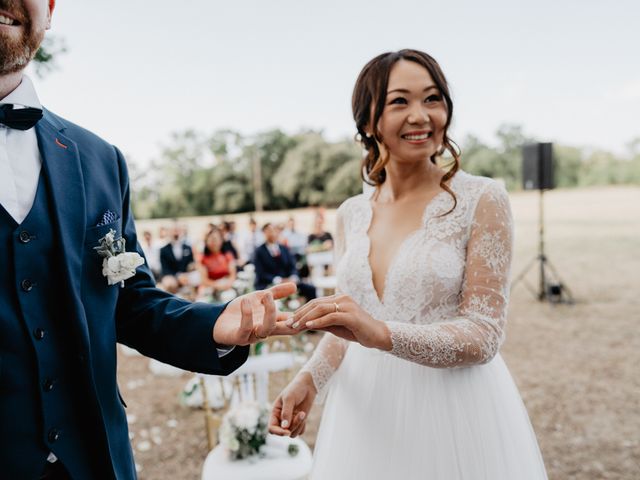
{"points": [[41, 369]]}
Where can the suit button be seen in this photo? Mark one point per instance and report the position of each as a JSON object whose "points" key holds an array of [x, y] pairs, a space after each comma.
{"points": [[26, 284], [24, 236], [53, 435], [39, 333], [47, 386]]}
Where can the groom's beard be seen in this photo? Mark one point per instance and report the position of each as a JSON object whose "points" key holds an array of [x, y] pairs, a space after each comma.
{"points": [[16, 53]]}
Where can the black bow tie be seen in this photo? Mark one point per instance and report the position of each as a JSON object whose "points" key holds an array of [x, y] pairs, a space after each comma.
{"points": [[21, 118]]}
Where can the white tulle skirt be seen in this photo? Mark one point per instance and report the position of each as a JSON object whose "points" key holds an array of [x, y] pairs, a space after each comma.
{"points": [[387, 418]]}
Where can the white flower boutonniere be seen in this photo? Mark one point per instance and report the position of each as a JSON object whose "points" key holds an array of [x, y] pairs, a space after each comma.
{"points": [[117, 264]]}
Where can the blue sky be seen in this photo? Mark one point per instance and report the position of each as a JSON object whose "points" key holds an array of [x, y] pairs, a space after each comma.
{"points": [[135, 71]]}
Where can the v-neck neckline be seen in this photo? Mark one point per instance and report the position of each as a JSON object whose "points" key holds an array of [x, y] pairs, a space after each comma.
{"points": [[426, 215]]}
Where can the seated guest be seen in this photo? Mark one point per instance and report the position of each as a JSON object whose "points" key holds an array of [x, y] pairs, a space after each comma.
{"points": [[176, 258], [151, 249], [251, 240], [296, 242], [274, 264], [228, 230], [319, 240], [218, 268]]}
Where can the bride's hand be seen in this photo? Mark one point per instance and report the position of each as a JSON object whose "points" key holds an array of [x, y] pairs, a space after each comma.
{"points": [[291, 408], [342, 316]]}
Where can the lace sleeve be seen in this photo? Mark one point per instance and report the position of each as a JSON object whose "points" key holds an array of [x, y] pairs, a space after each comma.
{"points": [[475, 334], [329, 353]]}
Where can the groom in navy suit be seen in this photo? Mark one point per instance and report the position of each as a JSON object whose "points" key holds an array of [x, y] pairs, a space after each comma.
{"points": [[71, 286]]}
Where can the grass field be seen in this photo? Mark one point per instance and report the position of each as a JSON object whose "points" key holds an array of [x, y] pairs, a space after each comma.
{"points": [[577, 366]]}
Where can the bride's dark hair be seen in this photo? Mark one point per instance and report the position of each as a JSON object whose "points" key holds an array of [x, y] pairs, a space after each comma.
{"points": [[368, 101]]}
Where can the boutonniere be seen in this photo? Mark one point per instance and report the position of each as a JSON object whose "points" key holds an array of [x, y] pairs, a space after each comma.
{"points": [[117, 264]]}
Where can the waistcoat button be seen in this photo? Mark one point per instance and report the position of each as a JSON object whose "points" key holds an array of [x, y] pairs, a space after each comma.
{"points": [[47, 385], [24, 236], [54, 435], [39, 333], [27, 285]]}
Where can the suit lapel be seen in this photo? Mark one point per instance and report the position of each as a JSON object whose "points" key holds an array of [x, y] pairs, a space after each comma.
{"points": [[61, 161]]}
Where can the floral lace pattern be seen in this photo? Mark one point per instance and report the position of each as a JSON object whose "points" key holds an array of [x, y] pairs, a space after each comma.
{"points": [[446, 291]]}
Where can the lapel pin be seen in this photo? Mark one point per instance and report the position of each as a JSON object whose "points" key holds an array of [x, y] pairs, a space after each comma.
{"points": [[60, 144]]}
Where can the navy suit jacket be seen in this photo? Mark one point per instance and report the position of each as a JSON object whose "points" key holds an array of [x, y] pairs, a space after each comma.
{"points": [[269, 267], [88, 177]]}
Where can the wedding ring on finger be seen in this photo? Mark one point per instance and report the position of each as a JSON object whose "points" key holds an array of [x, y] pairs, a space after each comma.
{"points": [[337, 307], [255, 334]]}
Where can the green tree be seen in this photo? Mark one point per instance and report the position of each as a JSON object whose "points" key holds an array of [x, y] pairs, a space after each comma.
{"points": [[45, 59], [308, 167], [568, 165], [270, 148]]}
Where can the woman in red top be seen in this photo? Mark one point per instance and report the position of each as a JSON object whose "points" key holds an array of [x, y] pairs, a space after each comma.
{"points": [[218, 269]]}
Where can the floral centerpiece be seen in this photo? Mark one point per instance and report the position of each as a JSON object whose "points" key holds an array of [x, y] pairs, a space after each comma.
{"points": [[244, 429]]}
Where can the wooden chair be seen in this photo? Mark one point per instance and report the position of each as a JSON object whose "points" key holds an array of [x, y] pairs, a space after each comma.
{"points": [[249, 382]]}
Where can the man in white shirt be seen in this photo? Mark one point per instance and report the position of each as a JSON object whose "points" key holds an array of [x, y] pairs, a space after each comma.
{"points": [[71, 286], [251, 240], [151, 248]]}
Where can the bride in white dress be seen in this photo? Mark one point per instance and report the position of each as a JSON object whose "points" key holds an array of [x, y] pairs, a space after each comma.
{"points": [[416, 387]]}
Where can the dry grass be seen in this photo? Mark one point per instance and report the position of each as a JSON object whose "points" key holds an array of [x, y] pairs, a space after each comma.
{"points": [[576, 365]]}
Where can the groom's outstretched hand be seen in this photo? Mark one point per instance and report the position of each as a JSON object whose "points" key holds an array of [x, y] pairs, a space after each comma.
{"points": [[253, 317]]}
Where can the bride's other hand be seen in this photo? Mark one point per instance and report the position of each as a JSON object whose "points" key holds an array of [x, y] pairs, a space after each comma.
{"points": [[291, 408], [342, 316]]}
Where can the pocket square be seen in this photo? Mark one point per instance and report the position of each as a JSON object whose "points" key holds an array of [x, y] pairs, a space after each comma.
{"points": [[107, 218]]}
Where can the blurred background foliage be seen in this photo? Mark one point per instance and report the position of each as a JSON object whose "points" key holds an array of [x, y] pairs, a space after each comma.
{"points": [[226, 172]]}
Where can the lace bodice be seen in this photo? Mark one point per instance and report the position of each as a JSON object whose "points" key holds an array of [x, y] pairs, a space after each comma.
{"points": [[446, 290]]}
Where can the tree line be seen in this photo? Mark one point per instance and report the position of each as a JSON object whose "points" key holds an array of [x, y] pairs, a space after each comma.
{"points": [[226, 172]]}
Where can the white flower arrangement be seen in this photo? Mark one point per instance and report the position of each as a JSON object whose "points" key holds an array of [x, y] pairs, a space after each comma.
{"points": [[244, 430], [117, 264]]}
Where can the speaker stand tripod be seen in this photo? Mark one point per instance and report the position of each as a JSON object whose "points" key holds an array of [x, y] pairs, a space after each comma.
{"points": [[550, 286]]}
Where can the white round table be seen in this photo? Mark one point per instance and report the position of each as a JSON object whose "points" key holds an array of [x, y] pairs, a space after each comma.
{"points": [[276, 465]]}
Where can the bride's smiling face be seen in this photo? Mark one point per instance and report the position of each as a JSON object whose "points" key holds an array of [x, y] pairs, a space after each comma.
{"points": [[414, 118]]}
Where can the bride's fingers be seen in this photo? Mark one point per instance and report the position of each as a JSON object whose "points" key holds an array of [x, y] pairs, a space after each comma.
{"points": [[276, 410], [329, 320], [298, 422], [281, 328], [301, 311], [300, 430], [276, 430], [317, 311], [308, 306], [287, 413], [298, 418], [275, 419]]}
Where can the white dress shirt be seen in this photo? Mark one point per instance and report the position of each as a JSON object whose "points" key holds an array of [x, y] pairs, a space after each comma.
{"points": [[20, 160]]}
